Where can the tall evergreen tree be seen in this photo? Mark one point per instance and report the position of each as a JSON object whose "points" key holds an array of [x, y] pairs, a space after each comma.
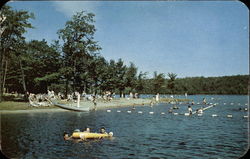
{"points": [[158, 83], [171, 81], [79, 44], [15, 25]]}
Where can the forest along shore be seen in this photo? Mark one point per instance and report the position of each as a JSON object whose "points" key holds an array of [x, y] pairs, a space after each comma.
{"points": [[23, 107]]}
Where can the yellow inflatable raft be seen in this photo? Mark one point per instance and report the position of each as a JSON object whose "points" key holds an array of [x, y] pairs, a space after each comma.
{"points": [[85, 135]]}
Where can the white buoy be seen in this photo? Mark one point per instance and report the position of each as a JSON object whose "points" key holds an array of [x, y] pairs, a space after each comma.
{"points": [[108, 111], [199, 114], [232, 103], [118, 111], [229, 116], [224, 103], [175, 113], [214, 115], [198, 103], [151, 112], [129, 111], [162, 113], [140, 112], [246, 104], [186, 114]]}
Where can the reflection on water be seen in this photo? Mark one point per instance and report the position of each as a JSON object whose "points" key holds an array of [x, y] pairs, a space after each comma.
{"points": [[39, 135]]}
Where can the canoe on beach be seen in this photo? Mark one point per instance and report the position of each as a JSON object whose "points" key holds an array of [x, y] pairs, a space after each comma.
{"points": [[73, 108]]}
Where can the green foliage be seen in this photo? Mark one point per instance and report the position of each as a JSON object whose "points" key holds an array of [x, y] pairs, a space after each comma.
{"points": [[171, 81], [131, 77], [158, 83], [77, 66], [78, 48], [213, 85], [141, 82], [12, 39]]}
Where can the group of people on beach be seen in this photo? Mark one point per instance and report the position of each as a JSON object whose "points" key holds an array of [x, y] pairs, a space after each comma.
{"points": [[39, 99]]}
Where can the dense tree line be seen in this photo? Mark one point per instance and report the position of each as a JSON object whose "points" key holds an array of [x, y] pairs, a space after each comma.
{"points": [[76, 64], [237, 84]]}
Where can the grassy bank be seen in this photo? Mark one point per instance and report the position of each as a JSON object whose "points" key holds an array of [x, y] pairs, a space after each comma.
{"points": [[10, 105]]}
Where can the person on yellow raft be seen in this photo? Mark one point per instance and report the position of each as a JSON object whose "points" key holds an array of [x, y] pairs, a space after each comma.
{"points": [[88, 135]]}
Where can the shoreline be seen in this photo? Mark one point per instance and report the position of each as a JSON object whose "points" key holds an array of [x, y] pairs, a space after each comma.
{"points": [[116, 103]]}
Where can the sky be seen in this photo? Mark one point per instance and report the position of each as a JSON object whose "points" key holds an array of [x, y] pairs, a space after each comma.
{"points": [[189, 38]]}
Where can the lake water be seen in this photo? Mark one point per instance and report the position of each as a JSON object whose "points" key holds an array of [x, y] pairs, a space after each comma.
{"points": [[137, 135]]}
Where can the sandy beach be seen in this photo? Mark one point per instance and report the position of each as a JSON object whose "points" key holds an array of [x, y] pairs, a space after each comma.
{"points": [[84, 104], [89, 104]]}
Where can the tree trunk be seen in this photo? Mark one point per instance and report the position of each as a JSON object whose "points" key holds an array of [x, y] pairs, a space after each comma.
{"points": [[85, 87], [74, 75], [66, 88], [120, 93], [1, 74], [23, 80], [5, 72]]}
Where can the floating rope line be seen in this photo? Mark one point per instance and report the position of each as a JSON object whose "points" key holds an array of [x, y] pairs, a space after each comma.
{"points": [[208, 107], [188, 114]]}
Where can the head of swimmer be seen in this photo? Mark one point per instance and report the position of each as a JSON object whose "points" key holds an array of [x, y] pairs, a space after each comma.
{"points": [[102, 130], [65, 136], [87, 129], [110, 134]]}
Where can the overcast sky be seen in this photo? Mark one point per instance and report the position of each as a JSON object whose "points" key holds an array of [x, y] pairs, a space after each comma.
{"points": [[189, 38]]}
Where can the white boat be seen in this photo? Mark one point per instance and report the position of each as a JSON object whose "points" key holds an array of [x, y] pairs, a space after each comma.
{"points": [[73, 108]]}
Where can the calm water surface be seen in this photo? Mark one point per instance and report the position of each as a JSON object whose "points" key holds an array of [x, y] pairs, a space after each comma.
{"points": [[39, 135]]}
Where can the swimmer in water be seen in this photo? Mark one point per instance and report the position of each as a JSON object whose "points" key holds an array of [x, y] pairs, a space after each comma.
{"points": [[87, 130], [133, 107], [66, 136], [190, 110], [103, 131]]}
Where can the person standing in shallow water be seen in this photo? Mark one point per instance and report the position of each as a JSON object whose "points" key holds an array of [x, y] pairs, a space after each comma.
{"points": [[157, 97], [190, 110], [204, 101], [94, 102]]}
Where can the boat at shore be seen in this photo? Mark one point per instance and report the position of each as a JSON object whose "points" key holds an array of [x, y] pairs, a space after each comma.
{"points": [[72, 108]]}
